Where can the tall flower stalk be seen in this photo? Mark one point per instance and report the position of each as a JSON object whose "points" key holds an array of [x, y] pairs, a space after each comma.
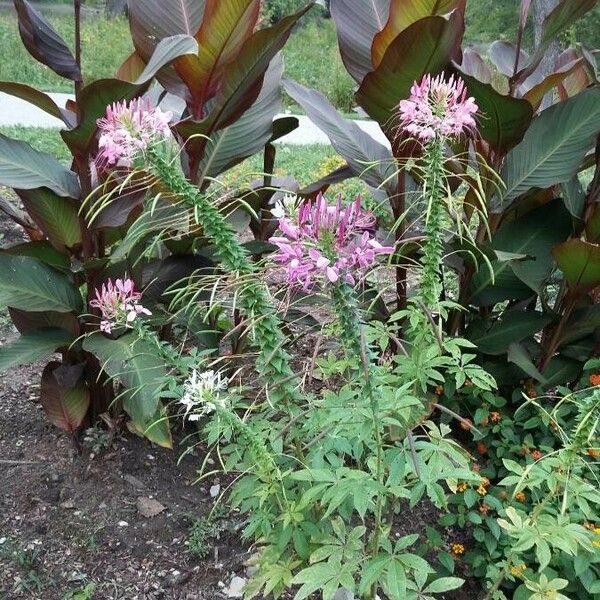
{"points": [[138, 132], [438, 111], [333, 245]]}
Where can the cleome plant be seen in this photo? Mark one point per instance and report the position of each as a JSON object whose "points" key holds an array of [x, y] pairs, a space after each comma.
{"points": [[451, 362]]}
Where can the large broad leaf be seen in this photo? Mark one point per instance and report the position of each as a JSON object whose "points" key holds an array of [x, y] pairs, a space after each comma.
{"points": [[242, 80], [44, 43], [33, 96], [580, 263], [225, 27], [503, 54], [26, 321], [37, 344], [136, 364], [518, 355], [93, 100], [250, 133], [536, 94], [501, 120], [553, 147], [564, 14], [514, 327], [405, 13], [65, 406], [28, 284], [42, 250], [529, 239], [367, 158], [425, 47], [57, 217], [151, 21], [25, 168], [357, 25], [166, 51]]}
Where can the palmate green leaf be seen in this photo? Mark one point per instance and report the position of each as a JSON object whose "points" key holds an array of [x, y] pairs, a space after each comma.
{"points": [[444, 584], [553, 147], [427, 46], [32, 346], [24, 168], [29, 284], [137, 365]]}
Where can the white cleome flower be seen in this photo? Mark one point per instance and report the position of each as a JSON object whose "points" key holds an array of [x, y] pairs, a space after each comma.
{"points": [[284, 206], [202, 393]]}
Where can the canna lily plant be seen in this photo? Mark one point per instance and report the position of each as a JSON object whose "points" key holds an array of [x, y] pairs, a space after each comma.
{"points": [[220, 75], [537, 130]]}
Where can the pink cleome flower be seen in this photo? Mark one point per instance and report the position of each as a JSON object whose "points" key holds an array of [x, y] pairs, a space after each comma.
{"points": [[119, 304], [128, 129], [334, 242], [438, 107]]}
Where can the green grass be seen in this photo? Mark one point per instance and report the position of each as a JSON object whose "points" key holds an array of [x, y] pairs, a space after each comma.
{"points": [[106, 44], [313, 59], [305, 163]]}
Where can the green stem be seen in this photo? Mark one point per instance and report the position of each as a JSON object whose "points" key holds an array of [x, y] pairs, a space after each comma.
{"points": [[352, 332], [273, 362], [433, 253]]}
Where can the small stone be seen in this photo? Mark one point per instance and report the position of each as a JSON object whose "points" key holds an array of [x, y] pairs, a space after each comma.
{"points": [[215, 490], [67, 504], [148, 507], [236, 588], [123, 524]]}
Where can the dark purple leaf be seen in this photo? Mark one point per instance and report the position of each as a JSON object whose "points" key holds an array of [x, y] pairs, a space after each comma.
{"points": [[151, 21], [44, 43], [283, 126], [357, 25], [368, 159], [65, 407], [35, 97], [26, 321]]}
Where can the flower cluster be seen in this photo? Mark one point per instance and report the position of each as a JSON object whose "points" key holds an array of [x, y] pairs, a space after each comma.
{"points": [[119, 304], [128, 129], [202, 393], [437, 107], [330, 241]]}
